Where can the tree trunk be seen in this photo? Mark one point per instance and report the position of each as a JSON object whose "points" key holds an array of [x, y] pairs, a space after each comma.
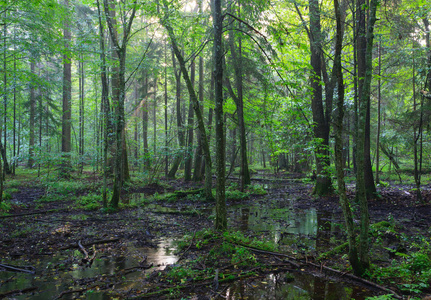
{"points": [[378, 117], [145, 124], [66, 145], [361, 190], [81, 114], [31, 116], [104, 105], [323, 184], [237, 63], [338, 125], [363, 68], [154, 116], [221, 214], [197, 173], [190, 124], [119, 97], [180, 127], [166, 113]]}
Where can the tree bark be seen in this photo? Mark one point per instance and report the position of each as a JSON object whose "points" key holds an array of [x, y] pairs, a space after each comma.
{"points": [[338, 126], [323, 184], [197, 173], [119, 96], [66, 145], [237, 63], [361, 189], [180, 127], [363, 95], [221, 214], [190, 124]]}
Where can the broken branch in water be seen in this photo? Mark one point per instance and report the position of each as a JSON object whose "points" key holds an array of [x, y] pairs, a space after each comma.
{"points": [[71, 246]]}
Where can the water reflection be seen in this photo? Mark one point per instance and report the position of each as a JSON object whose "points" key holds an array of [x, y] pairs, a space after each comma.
{"points": [[304, 286], [51, 282]]}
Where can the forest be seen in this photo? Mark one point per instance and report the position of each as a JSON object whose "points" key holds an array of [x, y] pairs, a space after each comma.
{"points": [[209, 149]]}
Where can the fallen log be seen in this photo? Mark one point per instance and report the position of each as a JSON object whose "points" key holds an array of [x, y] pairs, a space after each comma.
{"points": [[356, 278], [28, 214], [26, 290], [15, 269], [73, 246]]}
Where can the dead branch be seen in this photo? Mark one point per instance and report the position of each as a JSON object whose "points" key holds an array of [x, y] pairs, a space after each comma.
{"points": [[83, 250], [73, 246], [356, 278], [26, 290], [15, 269], [27, 214]]}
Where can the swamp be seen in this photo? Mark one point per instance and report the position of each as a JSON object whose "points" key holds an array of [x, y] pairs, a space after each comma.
{"points": [[282, 243]]}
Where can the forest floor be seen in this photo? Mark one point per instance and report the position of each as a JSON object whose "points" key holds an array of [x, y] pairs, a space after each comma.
{"points": [[52, 246]]}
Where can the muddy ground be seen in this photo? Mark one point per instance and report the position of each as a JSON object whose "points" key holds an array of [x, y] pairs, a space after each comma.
{"points": [[36, 232]]}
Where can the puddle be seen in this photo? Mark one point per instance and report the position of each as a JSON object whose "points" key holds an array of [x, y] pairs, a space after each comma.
{"points": [[279, 222], [52, 281], [304, 286]]}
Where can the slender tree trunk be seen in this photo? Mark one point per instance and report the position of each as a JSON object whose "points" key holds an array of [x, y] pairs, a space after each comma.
{"points": [[378, 116], [237, 59], [166, 113], [40, 110], [361, 190], [31, 115], [145, 124], [154, 117], [5, 74], [81, 114], [66, 144], [104, 105], [197, 174], [136, 135], [180, 127], [344, 201], [190, 124], [14, 162], [221, 214]]}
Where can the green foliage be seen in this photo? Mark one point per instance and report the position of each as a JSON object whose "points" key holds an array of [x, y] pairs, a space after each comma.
{"points": [[89, 202], [5, 206], [238, 237], [256, 189], [412, 271], [381, 297], [243, 257], [65, 187], [236, 195], [181, 273]]}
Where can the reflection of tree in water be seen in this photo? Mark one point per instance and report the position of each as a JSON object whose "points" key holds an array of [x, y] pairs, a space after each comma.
{"points": [[323, 233], [245, 213]]}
